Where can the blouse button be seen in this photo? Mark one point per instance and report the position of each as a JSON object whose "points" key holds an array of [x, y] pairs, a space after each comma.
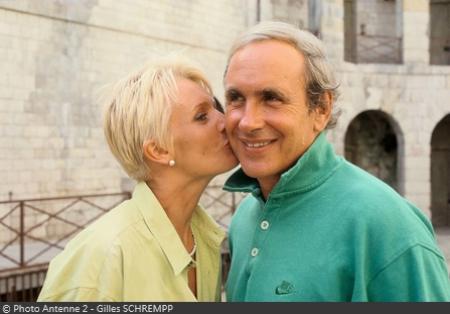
{"points": [[255, 251]]}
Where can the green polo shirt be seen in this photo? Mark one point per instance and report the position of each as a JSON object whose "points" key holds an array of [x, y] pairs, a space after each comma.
{"points": [[330, 231], [133, 253]]}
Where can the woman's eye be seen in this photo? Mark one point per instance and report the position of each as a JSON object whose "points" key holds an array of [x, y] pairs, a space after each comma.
{"points": [[201, 117]]}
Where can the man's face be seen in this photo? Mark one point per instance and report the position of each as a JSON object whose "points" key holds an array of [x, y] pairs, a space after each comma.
{"points": [[267, 118]]}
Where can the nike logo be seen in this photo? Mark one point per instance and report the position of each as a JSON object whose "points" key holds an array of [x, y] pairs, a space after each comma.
{"points": [[284, 288]]}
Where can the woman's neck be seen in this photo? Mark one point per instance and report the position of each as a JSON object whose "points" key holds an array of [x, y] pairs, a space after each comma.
{"points": [[179, 199]]}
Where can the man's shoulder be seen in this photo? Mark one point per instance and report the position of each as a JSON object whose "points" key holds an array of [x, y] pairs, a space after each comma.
{"points": [[376, 207], [355, 173], [358, 186]]}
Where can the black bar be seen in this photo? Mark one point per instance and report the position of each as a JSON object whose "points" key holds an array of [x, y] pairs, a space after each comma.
{"points": [[199, 308]]}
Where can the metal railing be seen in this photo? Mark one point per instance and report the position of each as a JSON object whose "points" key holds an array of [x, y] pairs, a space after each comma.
{"points": [[22, 286], [27, 226], [220, 204], [24, 256]]}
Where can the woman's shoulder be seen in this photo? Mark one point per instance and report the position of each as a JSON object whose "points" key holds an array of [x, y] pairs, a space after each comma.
{"points": [[103, 235], [96, 250], [112, 223]]}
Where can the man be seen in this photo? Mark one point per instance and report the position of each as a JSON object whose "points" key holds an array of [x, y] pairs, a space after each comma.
{"points": [[314, 227]]}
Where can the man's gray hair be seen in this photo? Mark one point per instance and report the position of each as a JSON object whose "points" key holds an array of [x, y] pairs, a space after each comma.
{"points": [[319, 76]]}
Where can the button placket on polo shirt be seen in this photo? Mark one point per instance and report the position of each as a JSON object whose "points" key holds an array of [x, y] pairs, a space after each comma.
{"points": [[254, 252], [268, 212]]}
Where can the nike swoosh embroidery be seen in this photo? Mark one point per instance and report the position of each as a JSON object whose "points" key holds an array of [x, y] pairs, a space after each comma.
{"points": [[285, 288]]}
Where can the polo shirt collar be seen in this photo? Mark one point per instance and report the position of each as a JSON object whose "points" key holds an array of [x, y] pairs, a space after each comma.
{"points": [[310, 170], [161, 227]]}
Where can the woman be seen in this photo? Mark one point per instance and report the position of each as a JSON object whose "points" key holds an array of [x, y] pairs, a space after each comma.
{"points": [[165, 128]]}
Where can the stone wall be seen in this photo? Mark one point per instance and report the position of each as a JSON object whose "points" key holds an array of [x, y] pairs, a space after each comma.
{"points": [[290, 11], [56, 55], [55, 58]]}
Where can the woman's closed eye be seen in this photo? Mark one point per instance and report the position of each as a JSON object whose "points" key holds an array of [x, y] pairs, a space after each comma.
{"points": [[201, 116]]}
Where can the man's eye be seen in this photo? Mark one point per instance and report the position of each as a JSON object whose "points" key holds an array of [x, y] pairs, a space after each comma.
{"points": [[234, 97], [271, 97]]}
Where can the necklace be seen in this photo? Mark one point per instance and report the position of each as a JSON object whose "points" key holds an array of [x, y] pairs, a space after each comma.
{"points": [[194, 249], [193, 263]]}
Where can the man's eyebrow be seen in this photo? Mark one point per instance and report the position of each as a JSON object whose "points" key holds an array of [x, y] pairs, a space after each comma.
{"points": [[232, 90], [272, 91]]}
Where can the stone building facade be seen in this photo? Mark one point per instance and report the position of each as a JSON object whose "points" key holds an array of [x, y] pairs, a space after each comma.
{"points": [[392, 59]]}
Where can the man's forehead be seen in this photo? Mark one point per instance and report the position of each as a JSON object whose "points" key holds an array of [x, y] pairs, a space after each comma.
{"points": [[267, 57], [264, 65], [267, 50]]}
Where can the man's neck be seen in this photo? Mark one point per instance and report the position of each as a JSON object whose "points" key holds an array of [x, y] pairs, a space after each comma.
{"points": [[267, 184]]}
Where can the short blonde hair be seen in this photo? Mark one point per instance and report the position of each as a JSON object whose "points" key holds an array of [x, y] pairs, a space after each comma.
{"points": [[139, 108], [319, 76]]}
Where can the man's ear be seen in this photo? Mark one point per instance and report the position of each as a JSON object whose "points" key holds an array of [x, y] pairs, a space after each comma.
{"points": [[323, 112], [153, 152]]}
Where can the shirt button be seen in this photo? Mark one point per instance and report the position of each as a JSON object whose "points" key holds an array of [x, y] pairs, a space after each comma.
{"points": [[254, 252], [264, 225]]}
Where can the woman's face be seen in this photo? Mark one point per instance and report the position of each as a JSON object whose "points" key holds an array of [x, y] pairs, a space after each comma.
{"points": [[201, 147]]}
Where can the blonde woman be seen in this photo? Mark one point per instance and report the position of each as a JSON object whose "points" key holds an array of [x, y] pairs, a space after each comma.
{"points": [[165, 128]]}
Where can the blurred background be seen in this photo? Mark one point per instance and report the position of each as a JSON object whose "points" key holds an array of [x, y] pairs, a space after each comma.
{"points": [[57, 174]]}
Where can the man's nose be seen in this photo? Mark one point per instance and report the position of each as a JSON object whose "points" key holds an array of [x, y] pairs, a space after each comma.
{"points": [[252, 117]]}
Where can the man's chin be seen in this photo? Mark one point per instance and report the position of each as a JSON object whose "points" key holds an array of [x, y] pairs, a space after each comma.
{"points": [[253, 172]]}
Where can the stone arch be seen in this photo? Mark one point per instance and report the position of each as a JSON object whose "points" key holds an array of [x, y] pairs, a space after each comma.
{"points": [[374, 142], [440, 173]]}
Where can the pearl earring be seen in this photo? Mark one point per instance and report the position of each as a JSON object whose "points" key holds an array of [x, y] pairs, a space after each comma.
{"points": [[171, 162]]}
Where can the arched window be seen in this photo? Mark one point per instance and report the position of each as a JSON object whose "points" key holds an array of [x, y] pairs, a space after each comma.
{"points": [[440, 173], [371, 143]]}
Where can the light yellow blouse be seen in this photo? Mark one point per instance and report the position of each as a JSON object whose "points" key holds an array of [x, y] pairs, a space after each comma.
{"points": [[133, 253]]}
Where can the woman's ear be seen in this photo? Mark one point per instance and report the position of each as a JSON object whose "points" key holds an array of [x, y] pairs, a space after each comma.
{"points": [[323, 112], [153, 152]]}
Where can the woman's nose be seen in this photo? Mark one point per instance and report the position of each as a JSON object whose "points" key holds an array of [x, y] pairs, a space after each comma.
{"points": [[221, 122]]}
